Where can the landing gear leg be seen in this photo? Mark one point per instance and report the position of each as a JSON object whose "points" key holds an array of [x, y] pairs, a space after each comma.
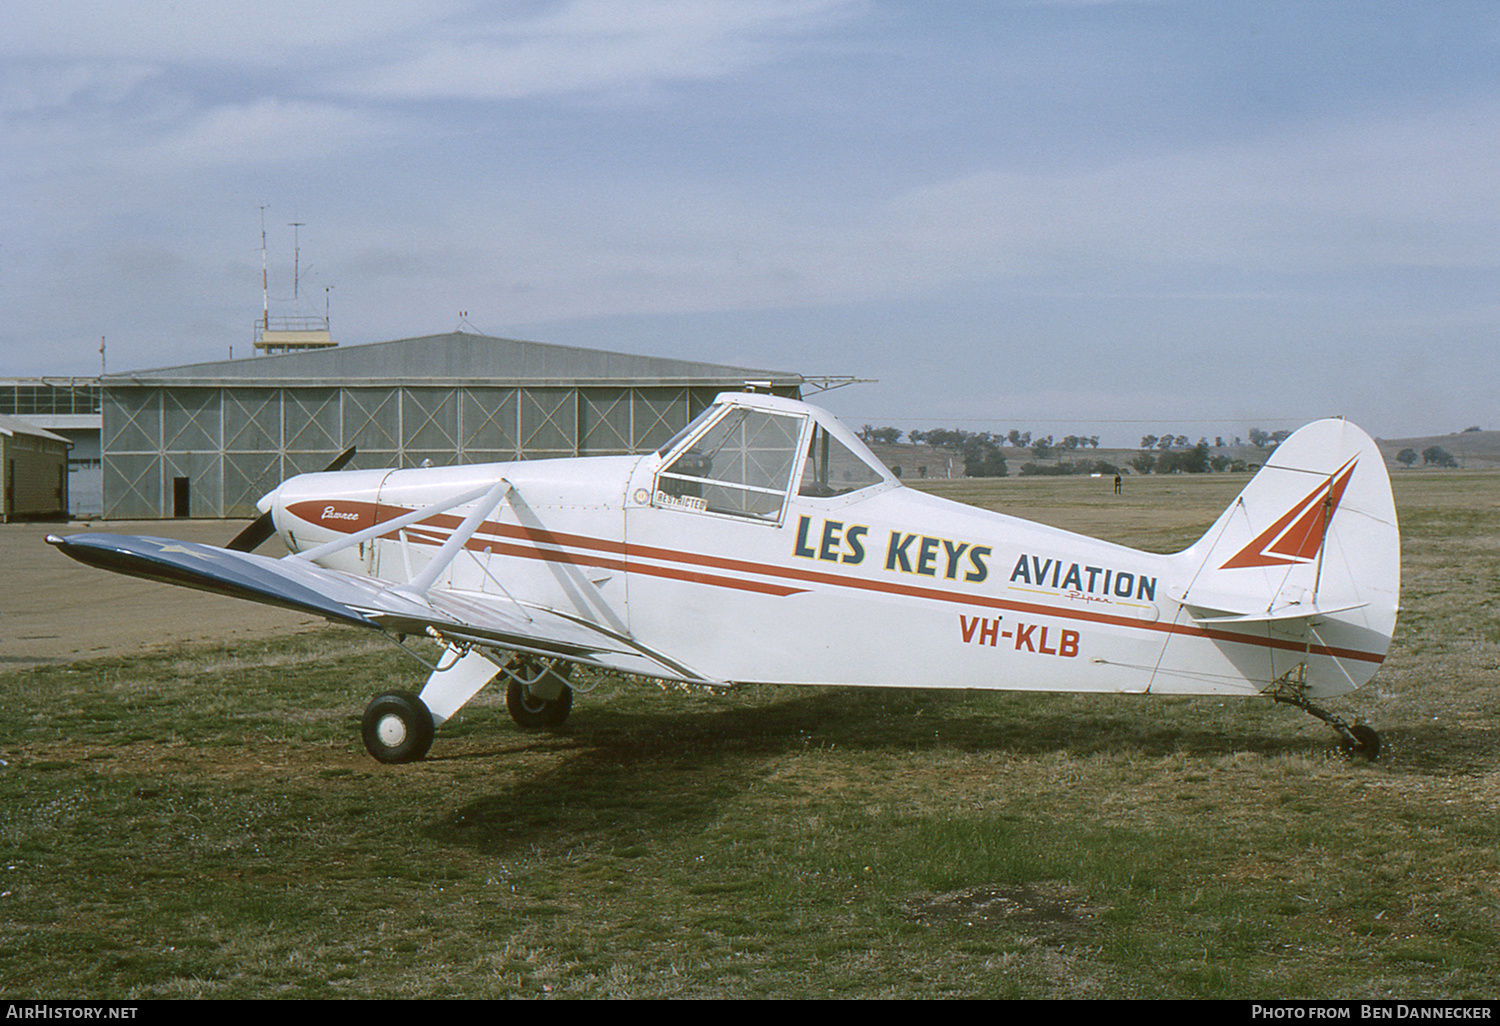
{"points": [[537, 694], [1354, 739]]}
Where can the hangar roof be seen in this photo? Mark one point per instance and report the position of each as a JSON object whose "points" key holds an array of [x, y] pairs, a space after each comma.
{"points": [[454, 358], [16, 426]]}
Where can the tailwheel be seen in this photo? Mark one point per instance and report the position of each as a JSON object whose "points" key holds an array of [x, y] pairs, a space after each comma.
{"points": [[1362, 741], [397, 727], [538, 696], [1357, 739]]}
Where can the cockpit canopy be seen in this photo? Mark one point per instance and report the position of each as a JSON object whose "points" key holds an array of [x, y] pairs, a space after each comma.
{"points": [[742, 457]]}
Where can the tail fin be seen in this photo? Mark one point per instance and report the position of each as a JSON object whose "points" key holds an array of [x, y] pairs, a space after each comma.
{"points": [[1310, 553]]}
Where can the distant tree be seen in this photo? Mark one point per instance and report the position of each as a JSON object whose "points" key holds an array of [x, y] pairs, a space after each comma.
{"points": [[1406, 457], [1437, 456], [1019, 439], [1042, 448], [980, 450], [1192, 460], [888, 435], [1219, 464], [982, 456], [1094, 441], [1261, 439], [1148, 442], [1195, 460], [1468, 429], [1143, 462], [1030, 469], [1166, 442]]}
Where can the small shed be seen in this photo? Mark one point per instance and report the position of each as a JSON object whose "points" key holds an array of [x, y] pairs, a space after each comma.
{"points": [[34, 463]]}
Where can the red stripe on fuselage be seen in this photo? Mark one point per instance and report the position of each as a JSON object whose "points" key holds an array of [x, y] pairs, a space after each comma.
{"points": [[491, 537]]}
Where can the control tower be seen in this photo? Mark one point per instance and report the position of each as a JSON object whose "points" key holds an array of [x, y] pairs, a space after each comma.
{"points": [[292, 335]]}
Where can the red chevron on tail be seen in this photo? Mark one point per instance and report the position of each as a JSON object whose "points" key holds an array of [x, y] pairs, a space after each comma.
{"points": [[1298, 536]]}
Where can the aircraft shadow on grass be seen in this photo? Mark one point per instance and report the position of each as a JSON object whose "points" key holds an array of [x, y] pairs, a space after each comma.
{"points": [[635, 775]]}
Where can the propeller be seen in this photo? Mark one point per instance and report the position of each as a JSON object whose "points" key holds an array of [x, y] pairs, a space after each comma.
{"points": [[262, 527]]}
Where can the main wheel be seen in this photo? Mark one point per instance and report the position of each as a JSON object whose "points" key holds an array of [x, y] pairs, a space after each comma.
{"points": [[1366, 743], [533, 712], [397, 727]]}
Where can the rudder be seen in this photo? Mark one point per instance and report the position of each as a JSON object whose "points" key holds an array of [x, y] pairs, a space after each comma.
{"points": [[1310, 549]]}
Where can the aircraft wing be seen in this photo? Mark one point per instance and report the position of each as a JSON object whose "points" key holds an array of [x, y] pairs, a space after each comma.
{"points": [[454, 616]]}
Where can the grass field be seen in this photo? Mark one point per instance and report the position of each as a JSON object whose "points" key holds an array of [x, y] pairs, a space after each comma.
{"points": [[205, 823]]}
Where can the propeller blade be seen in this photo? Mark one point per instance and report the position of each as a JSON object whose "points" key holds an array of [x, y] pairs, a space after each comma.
{"points": [[263, 526], [339, 463]]}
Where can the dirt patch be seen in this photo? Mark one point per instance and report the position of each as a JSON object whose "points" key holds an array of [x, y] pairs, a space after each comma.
{"points": [[1051, 911]]}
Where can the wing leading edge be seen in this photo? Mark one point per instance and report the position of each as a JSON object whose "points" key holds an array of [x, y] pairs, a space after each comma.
{"points": [[467, 618]]}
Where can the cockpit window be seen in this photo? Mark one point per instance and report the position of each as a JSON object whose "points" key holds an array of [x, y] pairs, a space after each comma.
{"points": [[742, 466], [832, 468], [685, 432]]}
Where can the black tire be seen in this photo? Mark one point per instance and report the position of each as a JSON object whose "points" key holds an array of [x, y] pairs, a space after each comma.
{"points": [[1366, 743], [535, 713], [397, 727]]}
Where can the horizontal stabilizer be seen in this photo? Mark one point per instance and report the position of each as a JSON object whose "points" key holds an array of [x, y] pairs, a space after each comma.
{"points": [[1297, 611]]}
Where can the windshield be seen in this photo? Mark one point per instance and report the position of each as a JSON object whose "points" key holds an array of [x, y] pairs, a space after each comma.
{"points": [[692, 426], [742, 466]]}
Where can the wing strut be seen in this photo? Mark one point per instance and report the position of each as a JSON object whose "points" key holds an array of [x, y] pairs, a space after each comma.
{"points": [[389, 526], [487, 505]]}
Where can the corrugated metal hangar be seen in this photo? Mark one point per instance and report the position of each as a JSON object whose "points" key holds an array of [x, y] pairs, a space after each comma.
{"points": [[208, 439]]}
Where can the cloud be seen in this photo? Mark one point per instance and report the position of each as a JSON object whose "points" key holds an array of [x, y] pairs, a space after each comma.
{"points": [[234, 33], [595, 47], [1404, 191], [27, 91], [1281, 217], [266, 130], [425, 49]]}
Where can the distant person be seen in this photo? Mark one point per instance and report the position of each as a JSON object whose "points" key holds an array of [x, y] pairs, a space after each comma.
{"points": [[1117, 484]]}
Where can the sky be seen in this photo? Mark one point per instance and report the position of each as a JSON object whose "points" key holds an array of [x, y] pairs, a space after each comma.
{"points": [[1102, 217]]}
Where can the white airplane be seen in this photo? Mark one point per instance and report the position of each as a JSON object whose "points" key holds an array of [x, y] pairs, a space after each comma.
{"points": [[766, 544]]}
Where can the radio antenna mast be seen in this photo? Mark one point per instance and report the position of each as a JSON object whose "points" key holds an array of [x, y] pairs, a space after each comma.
{"points": [[296, 260], [265, 291]]}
